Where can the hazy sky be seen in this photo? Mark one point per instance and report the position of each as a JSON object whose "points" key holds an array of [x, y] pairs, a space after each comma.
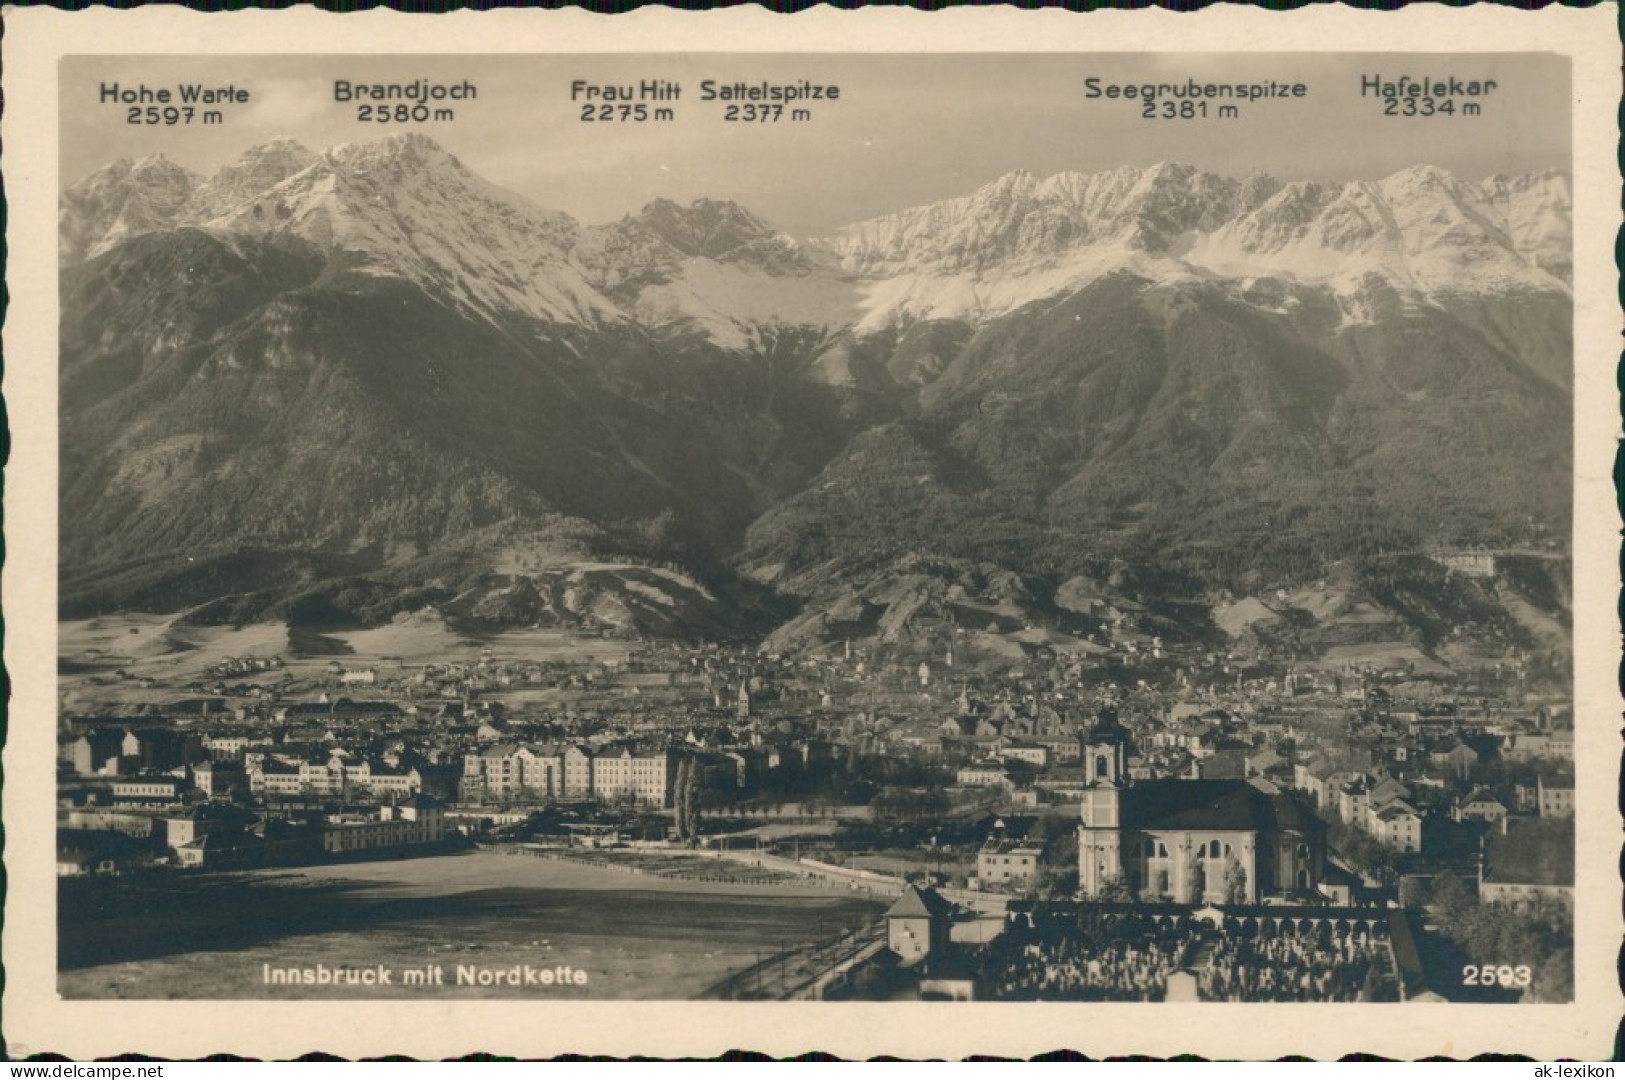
{"points": [[906, 130]]}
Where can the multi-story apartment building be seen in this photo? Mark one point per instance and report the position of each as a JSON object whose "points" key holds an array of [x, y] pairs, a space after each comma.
{"points": [[148, 789], [1399, 826], [624, 778], [419, 820], [1008, 864], [337, 777], [1031, 753], [507, 771], [1554, 800], [577, 772]]}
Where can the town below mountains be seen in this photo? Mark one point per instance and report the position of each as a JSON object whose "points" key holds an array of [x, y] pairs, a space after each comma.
{"points": [[1149, 585]]}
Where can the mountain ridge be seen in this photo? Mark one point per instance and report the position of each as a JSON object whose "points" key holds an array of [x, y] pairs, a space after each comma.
{"points": [[369, 358], [1016, 240]]}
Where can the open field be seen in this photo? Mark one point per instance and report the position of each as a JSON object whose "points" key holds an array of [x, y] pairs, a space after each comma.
{"points": [[1381, 653], [542, 644], [636, 936], [418, 639], [173, 653], [140, 639], [160, 644], [413, 639]]}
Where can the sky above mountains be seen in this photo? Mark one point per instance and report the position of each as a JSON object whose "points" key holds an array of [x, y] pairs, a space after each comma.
{"points": [[907, 130]]}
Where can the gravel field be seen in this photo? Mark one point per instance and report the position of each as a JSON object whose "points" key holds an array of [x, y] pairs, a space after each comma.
{"points": [[635, 936]]}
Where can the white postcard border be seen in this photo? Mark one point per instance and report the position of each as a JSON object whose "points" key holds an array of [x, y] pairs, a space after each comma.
{"points": [[37, 1020]]}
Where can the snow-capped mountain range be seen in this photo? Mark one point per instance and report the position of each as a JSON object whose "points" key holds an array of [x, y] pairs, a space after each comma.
{"points": [[405, 207], [1020, 239], [326, 382]]}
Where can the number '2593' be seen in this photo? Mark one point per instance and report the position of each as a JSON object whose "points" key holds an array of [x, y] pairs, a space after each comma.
{"points": [[1495, 975]]}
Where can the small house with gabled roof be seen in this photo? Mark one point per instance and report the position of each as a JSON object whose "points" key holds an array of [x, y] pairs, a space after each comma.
{"points": [[917, 924]]}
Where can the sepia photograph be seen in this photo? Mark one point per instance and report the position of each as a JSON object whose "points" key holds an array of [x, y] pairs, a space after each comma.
{"points": [[1082, 574], [847, 529]]}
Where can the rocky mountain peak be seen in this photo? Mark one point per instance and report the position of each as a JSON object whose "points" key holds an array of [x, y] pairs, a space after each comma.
{"points": [[156, 163], [256, 171], [396, 155], [708, 228], [1537, 208], [1014, 185], [273, 161], [122, 199]]}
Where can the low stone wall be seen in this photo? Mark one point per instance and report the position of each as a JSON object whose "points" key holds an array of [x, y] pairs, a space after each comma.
{"points": [[867, 880]]}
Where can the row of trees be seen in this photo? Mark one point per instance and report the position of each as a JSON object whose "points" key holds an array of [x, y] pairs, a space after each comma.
{"points": [[897, 805], [686, 799], [1361, 850]]}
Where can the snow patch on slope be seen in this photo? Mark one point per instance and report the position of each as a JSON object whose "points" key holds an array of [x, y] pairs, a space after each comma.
{"points": [[725, 301]]}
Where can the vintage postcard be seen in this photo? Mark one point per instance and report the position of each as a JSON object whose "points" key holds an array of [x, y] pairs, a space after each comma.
{"points": [[972, 533]]}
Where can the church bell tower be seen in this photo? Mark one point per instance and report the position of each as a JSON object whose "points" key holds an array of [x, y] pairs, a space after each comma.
{"points": [[1100, 835]]}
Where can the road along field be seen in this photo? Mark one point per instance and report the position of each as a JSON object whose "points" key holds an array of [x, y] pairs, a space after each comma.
{"points": [[497, 921]]}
